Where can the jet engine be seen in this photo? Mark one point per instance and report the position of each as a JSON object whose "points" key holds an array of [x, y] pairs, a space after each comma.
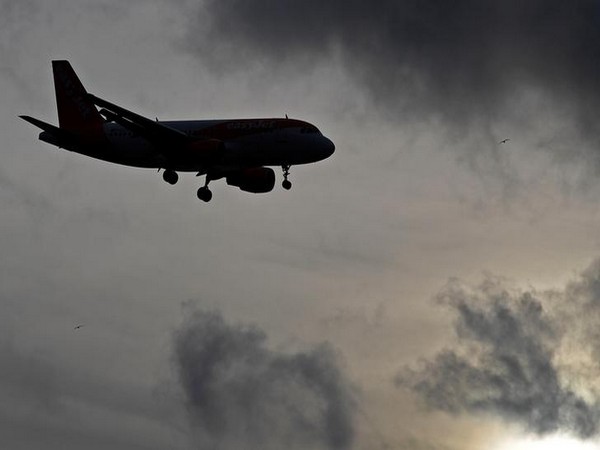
{"points": [[257, 180]]}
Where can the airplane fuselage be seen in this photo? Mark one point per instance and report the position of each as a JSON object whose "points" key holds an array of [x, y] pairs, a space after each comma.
{"points": [[247, 143]]}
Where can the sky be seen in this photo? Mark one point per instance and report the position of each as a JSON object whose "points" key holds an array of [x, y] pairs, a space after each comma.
{"points": [[425, 288]]}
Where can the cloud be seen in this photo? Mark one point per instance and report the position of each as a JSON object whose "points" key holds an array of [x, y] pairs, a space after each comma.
{"points": [[241, 394], [475, 71], [527, 357], [16, 20], [465, 56], [30, 380], [46, 404]]}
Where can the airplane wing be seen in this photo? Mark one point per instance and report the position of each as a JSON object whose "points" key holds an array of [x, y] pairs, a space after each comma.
{"points": [[150, 129], [175, 145]]}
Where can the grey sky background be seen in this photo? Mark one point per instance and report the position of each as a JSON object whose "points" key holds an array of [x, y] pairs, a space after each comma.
{"points": [[324, 314]]}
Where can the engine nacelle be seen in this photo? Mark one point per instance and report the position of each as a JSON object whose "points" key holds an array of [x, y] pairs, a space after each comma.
{"points": [[257, 180]]}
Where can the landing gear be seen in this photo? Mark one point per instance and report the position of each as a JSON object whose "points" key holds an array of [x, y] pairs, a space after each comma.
{"points": [[286, 184], [170, 176], [204, 192]]}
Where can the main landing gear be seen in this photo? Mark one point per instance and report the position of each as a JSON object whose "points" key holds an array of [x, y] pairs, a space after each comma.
{"points": [[170, 176], [286, 184], [204, 192]]}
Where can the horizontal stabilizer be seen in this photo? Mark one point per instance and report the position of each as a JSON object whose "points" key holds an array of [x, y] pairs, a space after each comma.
{"points": [[61, 136], [41, 124]]}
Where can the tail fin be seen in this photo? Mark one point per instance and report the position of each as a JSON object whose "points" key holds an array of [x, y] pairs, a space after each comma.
{"points": [[75, 111]]}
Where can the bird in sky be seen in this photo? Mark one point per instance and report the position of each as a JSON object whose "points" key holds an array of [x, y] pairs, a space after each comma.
{"points": [[77, 327], [504, 141]]}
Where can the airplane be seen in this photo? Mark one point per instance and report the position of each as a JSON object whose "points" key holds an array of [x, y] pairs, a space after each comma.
{"points": [[238, 150]]}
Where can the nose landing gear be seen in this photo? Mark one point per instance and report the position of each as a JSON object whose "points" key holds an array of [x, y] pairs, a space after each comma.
{"points": [[286, 184]]}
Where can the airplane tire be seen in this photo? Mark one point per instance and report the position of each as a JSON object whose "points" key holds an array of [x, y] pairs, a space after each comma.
{"points": [[287, 185], [204, 194], [170, 176]]}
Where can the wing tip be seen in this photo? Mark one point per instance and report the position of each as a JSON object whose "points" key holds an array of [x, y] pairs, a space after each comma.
{"points": [[26, 118]]}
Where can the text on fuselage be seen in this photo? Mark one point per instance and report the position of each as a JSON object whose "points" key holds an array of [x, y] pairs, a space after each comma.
{"points": [[252, 125]]}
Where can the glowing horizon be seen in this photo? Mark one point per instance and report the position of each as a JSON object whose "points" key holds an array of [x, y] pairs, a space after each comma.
{"points": [[557, 442]]}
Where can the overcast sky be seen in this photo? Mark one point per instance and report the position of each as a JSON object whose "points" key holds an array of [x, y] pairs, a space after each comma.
{"points": [[425, 288]]}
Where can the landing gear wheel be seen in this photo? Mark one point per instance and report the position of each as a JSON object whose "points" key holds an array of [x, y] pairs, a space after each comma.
{"points": [[170, 176], [204, 194], [287, 185]]}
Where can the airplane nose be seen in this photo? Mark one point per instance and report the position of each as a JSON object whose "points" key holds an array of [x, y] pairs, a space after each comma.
{"points": [[328, 147]]}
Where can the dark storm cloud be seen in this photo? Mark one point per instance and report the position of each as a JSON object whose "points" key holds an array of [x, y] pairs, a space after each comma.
{"points": [[523, 356], [241, 394], [480, 71], [435, 56]]}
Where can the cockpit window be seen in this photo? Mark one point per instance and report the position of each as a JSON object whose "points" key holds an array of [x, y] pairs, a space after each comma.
{"points": [[309, 129]]}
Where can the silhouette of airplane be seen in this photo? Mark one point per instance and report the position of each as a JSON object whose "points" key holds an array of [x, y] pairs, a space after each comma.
{"points": [[237, 150]]}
